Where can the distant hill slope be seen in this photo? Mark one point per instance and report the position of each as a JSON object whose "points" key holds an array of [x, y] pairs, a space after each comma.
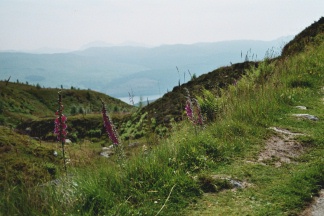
{"points": [[171, 105], [305, 37], [20, 102], [117, 70]]}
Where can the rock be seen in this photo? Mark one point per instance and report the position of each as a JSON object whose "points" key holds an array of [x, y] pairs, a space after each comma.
{"points": [[131, 145], [28, 130], [236, 184], [318, 207], [306, 116], [233, 183], [68, 141], [301, 107], [67, 160], [107, 148], [106, 154], [107, 151], [285, 131]]}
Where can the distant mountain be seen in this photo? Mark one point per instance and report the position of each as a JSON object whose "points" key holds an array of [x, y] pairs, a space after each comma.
{"points": [[101, 44], [96, 44], [117, 70], [47, 50]]}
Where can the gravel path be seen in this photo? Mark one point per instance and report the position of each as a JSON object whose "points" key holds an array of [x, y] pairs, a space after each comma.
{"points": [[317, 208]]}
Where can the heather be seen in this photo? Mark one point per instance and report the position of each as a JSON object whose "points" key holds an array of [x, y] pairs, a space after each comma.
{"points": [[185, 162]]}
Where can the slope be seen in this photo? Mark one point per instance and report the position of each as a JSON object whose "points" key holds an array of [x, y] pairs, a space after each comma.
{"points": [[215, 169], [20, 102]]}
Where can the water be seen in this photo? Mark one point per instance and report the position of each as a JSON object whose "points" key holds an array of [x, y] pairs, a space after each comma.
{"points": [[137, 99]]}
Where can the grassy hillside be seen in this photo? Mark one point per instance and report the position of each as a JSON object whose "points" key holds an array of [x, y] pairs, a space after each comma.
{"points": [[256, 157], [25, 160], [171, 105], [306, 37], [20, 102]]}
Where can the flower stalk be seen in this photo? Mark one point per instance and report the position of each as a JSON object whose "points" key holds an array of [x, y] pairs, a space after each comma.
{"points": [[60, 127], [109, 127], [193, 110]]}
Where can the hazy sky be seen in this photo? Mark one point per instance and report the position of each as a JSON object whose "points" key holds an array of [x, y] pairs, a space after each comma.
{"points": [[69, 24]]}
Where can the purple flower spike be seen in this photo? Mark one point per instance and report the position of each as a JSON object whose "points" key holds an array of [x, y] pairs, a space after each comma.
{"points": [[60, 122], [110, 129], [189, 110], [193, 110]]}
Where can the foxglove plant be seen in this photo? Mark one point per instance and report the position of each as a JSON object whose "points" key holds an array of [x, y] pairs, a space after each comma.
{"points": [[189, 110], [199, 117], [60, 126], [110, 129], [193, 110]]}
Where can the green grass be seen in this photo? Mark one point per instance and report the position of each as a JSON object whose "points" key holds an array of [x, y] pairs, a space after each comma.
{"points": [[173, 176], [21, 102], [284, 190]]}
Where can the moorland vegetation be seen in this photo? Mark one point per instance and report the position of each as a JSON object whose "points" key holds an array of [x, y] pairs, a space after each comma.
{"points": [[166, 164]]}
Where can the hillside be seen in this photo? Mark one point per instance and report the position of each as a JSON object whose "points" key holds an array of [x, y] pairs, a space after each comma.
{"points": [[306, 37], [171, 105], [260, 152], [20, 102], [25, 160]]}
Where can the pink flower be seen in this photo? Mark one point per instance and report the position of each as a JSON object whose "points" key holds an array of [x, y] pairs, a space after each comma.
{"points": [[110, 129], [193, 110], [60, 127], [60, 122], [188, 109]]}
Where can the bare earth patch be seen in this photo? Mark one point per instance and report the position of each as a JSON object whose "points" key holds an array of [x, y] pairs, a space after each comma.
{"points": [[282, 148]]}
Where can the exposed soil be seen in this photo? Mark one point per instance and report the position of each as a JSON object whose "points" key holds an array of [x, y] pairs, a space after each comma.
{"points": [[281, 148]]}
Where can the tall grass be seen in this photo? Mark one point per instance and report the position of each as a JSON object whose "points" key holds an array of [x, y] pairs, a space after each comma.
{"points": [[266, 97]]}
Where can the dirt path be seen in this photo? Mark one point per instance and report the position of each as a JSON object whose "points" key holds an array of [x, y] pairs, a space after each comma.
{"points": [[285, 148], [317, 206]]}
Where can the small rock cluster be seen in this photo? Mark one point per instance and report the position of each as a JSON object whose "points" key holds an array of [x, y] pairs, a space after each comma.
{"points": [[305, 116]]}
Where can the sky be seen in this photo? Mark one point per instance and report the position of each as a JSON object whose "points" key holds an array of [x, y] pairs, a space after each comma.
{"points": [[70, 24]]}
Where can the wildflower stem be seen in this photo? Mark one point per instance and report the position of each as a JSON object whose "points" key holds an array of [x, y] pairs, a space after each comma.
{"points": [[167, 199], [110, 129], [62, 127], [193, 111]]}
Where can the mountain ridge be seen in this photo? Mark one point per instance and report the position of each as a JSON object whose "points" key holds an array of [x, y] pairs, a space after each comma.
{"points": [[110, 69]]}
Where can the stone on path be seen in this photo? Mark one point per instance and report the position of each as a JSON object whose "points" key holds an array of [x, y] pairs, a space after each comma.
{"points": [[306, 116], [301, 107], [107, 151]]}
